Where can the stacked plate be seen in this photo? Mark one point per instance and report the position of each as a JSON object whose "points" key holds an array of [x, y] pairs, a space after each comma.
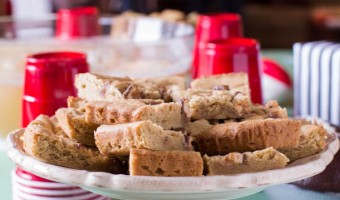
{"points": [[28, 186]]}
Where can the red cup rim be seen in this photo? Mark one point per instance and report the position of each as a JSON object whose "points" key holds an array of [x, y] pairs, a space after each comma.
{"points": [[221, 16], [237, 44], [208, 20], [79, 11], [56, 57]]}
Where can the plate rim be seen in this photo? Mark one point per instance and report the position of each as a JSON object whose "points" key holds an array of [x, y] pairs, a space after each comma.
{"points": [[310, 166]]}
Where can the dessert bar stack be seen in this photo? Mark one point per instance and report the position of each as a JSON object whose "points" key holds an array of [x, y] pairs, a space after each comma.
{"points": [[161, 127]]}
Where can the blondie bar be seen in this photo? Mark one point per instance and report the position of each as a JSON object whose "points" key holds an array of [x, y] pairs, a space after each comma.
{"points": [[213, 104], [118, 140], [72, 121], [165, 163], [167, 115], [270, 110], [311, 141], [235, 163], [43, 144], [248, 135], [238, 81], [94, 87]]}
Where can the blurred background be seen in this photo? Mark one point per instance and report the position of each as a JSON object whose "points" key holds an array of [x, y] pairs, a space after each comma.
{"points": [[275, 23]]}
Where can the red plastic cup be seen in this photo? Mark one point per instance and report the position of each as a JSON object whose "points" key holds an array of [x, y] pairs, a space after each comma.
{"points": [[234, 55], [214, 27], [49, 80], [77, 22]]}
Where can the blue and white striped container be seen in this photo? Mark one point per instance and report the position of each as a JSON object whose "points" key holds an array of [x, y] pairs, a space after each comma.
{"points": [[317, 80]]}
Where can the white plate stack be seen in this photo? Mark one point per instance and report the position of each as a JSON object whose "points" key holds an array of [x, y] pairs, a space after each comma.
{"points": [[26, 186], [317, 80]]}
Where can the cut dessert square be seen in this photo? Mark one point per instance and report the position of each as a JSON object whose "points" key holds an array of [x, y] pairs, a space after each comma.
{"points": [[238, 81], [43, 144], [248, 135], [235, 163], [118, 140], [213, 104], [312, 141], [73, 123], [196, 127], [167, 84], [94, 87], [76, 103], [270, 110], [255, 112], [165, 163], [56, 128], [167, 115]]}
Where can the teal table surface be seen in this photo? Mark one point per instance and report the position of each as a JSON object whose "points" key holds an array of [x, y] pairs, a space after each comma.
{"points": [[6, 167], [279, 192]]}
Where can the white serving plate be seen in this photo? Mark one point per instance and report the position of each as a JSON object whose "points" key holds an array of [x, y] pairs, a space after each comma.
{"points": [[147, 187]]}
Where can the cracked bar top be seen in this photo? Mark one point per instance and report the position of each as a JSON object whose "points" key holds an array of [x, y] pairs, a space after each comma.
{"points": [[165, 163], [94, 87], [311, 141], [43, 141], [167, 115], [249, 135], [270, 110], [213, 104], [118, 140], [238, 81], [73, 123], [235, 163]]}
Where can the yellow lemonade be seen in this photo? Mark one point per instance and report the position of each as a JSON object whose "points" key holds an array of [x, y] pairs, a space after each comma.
{"points": [[10, 108]]}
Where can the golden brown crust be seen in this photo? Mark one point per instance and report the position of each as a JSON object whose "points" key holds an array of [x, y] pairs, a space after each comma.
{"points": [[270, 110], [249, 136], [238, 81], [118, 140], [198, 126], [132, 110], [77, 103], [94, 87], [311, 141], [235, 163], [41, 142], [167, 85], [73, 123], [165, 163], [213, 104]]}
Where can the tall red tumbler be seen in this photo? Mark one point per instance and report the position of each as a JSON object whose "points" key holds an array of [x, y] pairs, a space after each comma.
{"points": [[214, 27], [234, 55], [77, 23], [49, 80]]}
